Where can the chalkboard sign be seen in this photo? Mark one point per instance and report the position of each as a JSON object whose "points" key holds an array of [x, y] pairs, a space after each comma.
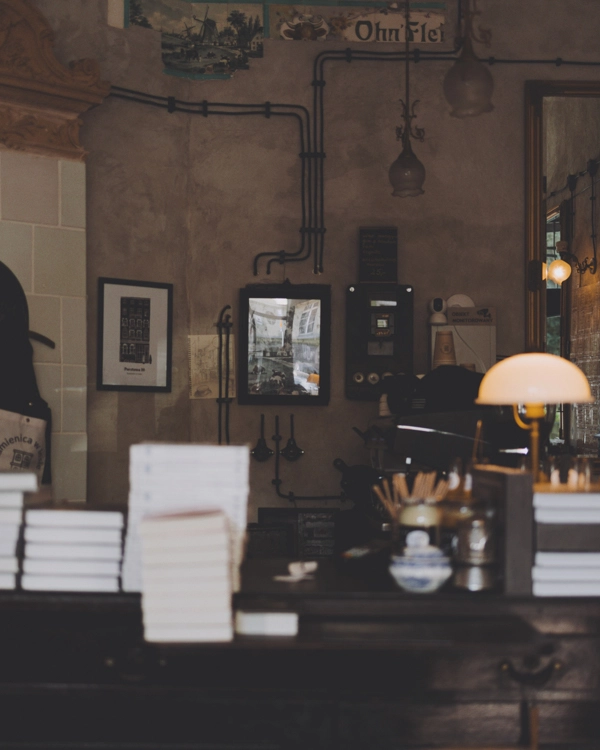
{"points": [[378, 254]]}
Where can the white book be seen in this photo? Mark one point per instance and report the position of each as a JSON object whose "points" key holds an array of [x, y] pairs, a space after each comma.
{"points": [[9, 532], [194, 586], [566, 500], [565, 574], [266, 623], [171, 601], [80, 518], [72, 567], [180, 617], [56, 535], [9, 564], [187, 542], [11, 515], [8, 580], [23, 481], [186, 557], [192, 523], [11, 499], [8, 547], [566, 515], [39, 550], [566, 588], [191, 634], [32, 582], [186, 572], [564, 559]]}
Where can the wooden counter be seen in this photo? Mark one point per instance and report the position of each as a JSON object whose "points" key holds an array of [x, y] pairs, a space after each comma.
{"points": [[372, 667]]}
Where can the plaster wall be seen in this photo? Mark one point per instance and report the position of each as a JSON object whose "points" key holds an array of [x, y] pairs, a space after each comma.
{"points": [[192, 200]]}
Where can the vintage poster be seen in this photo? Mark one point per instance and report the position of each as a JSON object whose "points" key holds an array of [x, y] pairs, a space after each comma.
{"points": [[204, 366], [428, 23], [203, 40]]}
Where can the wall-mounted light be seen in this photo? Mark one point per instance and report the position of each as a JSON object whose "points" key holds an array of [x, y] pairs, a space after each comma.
{"points": [[468, 85], [407, 173], [560, 270]]}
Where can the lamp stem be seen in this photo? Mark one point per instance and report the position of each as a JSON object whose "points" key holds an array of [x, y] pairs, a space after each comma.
{"points": [[535, 412]]}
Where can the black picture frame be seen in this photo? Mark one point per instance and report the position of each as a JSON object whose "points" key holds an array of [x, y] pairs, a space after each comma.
{"points": [[284, 344], [135, 356]]}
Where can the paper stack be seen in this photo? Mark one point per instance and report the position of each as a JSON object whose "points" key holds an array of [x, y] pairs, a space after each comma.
{"points": [[567, 560], [173, 477], [72, 549], [13, 486], [186, 572]]}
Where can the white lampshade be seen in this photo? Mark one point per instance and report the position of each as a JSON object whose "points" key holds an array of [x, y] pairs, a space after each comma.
{"points": [[535, 378]]}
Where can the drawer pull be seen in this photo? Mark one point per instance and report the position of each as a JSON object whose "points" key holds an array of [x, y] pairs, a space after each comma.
{"points": [[537, 678]]}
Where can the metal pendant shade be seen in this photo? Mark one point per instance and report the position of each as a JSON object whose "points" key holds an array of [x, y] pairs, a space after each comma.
{"points": [[407, 174], [468, 85]]}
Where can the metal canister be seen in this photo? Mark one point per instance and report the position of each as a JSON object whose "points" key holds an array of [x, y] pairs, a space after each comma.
{"points": [[474, 542]]}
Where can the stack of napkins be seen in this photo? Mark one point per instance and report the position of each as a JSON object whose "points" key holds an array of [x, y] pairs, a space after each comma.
{"points": [[72, 549], [13, 485], [186, 573], [174, 478]]}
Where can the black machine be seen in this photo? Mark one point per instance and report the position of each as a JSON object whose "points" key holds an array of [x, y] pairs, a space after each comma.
{"points": [[379, 336]]}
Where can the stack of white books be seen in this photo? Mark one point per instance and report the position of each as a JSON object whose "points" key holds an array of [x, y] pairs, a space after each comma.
{"points": [[72, 549], [13, 486], [567, 573], [186, 572], [175, 477]]}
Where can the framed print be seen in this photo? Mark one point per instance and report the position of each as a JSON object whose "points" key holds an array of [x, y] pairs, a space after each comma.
{"points": [[134, 335], [284, 344]]}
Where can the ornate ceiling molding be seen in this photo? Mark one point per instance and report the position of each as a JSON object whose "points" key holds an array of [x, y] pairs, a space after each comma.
{"points": [[41, 99]]}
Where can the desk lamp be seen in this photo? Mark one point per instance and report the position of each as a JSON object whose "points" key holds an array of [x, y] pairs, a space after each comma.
{"points": [[534, 380]]}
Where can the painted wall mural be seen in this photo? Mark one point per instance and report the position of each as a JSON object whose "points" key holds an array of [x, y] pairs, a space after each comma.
{"points": [[213, 40]]}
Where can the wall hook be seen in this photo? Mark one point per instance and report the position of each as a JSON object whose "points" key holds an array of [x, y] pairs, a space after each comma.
{"points": [[261, 451], [291, 452]]}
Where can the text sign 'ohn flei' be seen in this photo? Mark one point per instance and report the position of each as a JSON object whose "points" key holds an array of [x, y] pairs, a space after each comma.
{"points": [[352, 24]]}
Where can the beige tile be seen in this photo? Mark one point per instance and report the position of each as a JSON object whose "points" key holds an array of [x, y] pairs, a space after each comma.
{"points": [[69, 467], [59, 261], [48, 382], [103, 414], [72, 194], [116, 13], [16, 250], [44, 318], [29, 188], [74, 349], [74, 398]]}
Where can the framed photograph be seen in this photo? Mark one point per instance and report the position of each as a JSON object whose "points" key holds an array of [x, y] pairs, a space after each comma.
{"points": [[284, 344], [134, 335]]}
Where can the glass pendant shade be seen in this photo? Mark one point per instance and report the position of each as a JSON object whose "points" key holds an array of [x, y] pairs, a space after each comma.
{"points": [[559, 271], [468, 85], [407, 174]]}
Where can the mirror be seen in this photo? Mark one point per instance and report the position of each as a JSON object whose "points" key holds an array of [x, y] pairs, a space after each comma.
{"points": [[562, 151]]}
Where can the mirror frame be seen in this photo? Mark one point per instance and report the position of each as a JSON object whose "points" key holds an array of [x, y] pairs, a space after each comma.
{"points": [[535, 210]]}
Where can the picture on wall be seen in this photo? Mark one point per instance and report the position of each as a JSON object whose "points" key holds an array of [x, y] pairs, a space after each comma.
{"points": [[203, 40], [134, 335], [284, 344]]}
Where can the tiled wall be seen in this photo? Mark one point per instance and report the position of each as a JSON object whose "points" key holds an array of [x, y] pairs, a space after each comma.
{"points": [[42, 240]]}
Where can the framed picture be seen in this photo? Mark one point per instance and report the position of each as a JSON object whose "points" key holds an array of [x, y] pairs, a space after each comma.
{"points": [[284, 344], [134, 335]]}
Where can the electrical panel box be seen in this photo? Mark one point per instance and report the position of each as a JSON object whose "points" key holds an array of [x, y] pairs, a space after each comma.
{"points": [[379, 336]]}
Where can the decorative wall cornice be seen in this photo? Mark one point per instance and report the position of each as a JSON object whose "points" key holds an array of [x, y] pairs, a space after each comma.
{"points": [[40, 99]]}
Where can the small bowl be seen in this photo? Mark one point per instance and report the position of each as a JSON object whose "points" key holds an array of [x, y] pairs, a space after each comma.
{"points": [[420, 576]]}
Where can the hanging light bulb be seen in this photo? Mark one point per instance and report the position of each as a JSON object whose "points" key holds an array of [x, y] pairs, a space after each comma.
{"points": [[407, 173], [559, 270], [468, 85]]}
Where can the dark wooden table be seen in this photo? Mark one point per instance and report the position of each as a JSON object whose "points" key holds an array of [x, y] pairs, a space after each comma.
{"points": [[371, 667]]}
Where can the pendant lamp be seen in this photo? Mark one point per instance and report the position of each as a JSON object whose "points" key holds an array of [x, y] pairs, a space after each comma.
{"points": [[468, 85], [407, 173]]}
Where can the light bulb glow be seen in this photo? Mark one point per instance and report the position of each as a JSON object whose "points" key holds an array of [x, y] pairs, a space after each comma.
{"points": [[559, 270]]}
